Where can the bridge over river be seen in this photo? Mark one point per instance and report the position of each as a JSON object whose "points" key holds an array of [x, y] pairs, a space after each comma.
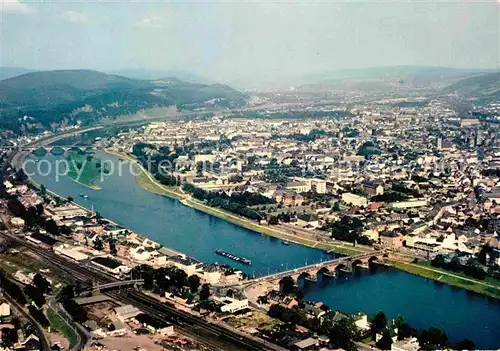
{"points": [[327, 268], [55, 150]]}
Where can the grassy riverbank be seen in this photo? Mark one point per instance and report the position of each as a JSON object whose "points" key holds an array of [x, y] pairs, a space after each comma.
{"points": [[147, 182], [489, 287], [85, 169], [271, 231]]}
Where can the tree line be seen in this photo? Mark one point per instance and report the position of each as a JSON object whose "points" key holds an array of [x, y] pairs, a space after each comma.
{"points": [[238, 203]]}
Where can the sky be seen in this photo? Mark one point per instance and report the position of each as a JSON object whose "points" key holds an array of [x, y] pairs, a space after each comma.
{"points": [[248, 41]]}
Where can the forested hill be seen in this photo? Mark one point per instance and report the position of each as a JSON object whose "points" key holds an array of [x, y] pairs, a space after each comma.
{"points": [[484, 86], [41, 99]]}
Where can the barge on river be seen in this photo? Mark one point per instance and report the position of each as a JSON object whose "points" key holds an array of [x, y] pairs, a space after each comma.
{"points": [[233, 257]]}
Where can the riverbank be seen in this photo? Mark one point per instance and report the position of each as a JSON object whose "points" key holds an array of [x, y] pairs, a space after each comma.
{"points": [[276, 232], [271, 231], [147, 182], [487, 288]]}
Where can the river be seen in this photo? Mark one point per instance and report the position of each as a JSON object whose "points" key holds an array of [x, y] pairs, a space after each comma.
{"points": [[421, 301], [174, 225]]}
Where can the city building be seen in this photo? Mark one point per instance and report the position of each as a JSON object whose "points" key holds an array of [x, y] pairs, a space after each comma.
{"points": [[353, 199]]}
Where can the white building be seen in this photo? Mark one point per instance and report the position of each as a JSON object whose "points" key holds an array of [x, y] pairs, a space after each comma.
{"points": [[232, 305], [361, 321], [187, 264], [319, 186], [212, 277], [65, 211], [126, 312], [17, 222], [410, 344], [71, 252], [110, 265], [353, 199], [300, 186], [408, 204], [4, 310], [204, 158]]}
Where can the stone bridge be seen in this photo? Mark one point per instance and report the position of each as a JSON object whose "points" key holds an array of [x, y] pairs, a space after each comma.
{"points": [[318, 271], [55, 150]]}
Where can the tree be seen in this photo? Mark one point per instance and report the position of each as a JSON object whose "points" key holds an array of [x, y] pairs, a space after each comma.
{"points": [[299, 294], [385, 342], [432, 339], [378, 322], [486, 256], [286, 285], [12, 289], [9, 337], [16, 207], [51, 226], [178, 277], [438, 261], [98, 244], [466, 344], [474, 270], [66, 293], [194, 283], [262, 300], [41, 283], [112, 247], [273, 220], [343, 333], [205, 292], [35, 295], [38, 315], [454, 264], [404, 329], [145, 272]]}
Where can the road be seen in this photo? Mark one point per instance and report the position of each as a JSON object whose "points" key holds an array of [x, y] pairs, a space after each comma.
{"points": [[44, 342]]}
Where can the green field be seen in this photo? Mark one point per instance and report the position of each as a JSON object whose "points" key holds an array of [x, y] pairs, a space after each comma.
{"points": [[59, 324], [147, 184], [85, 169]]}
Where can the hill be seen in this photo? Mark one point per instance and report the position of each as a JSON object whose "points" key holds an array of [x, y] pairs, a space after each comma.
{"points": [[9, 72], [477, 85], [389, 78], [42, 99], [401, 72], [151, 74]]}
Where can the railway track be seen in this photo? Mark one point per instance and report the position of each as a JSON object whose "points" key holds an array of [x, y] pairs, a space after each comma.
{"points": [[212, 336]]}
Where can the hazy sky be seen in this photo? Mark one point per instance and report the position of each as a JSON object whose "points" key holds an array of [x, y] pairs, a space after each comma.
{"points": [[230, 41]]}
